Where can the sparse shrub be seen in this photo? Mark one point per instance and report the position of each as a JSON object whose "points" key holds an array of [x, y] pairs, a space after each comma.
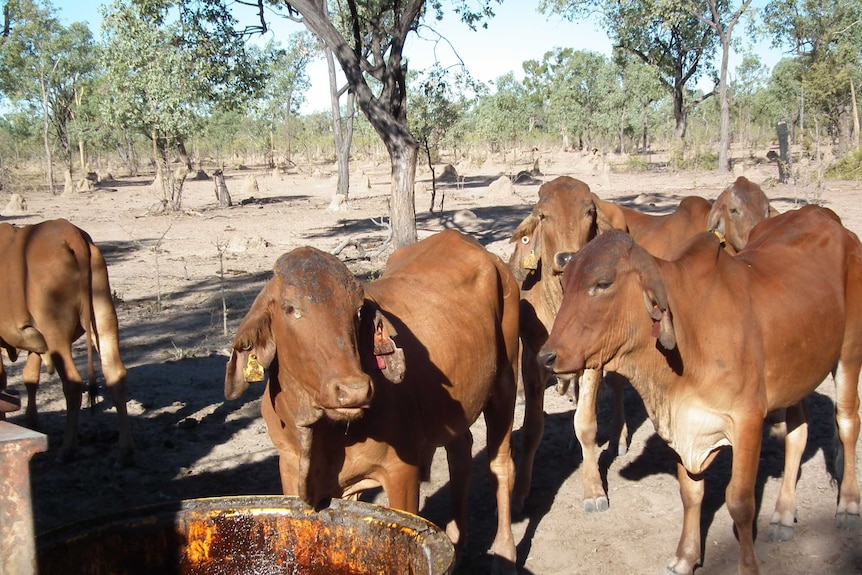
{"points": [[633, 164], [848, 167]]}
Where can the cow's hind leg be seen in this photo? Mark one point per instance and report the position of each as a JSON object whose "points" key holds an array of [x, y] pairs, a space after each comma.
{"points": [[73, 390], [499, 414], [847, 420], [619, 442], [534, 426], [459, 455], [784, 516], [113, 369], [30, 377]]}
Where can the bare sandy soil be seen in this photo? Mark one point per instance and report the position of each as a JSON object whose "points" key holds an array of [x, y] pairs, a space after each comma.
{"points": [[166, 272]]}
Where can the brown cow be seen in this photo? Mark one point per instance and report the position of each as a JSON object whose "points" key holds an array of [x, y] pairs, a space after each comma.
{"points": [[366, 380], [16, 328], [565, 218], [740, 206], [713, 342], [68, 294]]}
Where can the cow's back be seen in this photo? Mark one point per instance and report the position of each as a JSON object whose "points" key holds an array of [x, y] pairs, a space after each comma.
{"points": [[799, 276], [662, 236], [454, 307]]}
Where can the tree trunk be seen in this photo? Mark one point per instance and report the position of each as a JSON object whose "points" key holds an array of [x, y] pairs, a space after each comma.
{"points": [[221, 191], [680, 114], [342, 129], [403, 154], [82, 156], [46, 141], [184, 155], [724, 139], [855, 114]]}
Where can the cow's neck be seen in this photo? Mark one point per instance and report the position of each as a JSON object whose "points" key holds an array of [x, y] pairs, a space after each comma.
{"points": [[551, 291], [669, 382]]}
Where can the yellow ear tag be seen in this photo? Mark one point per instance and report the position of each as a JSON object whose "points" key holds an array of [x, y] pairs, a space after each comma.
{"points": [[253, 371], [530, 261]]}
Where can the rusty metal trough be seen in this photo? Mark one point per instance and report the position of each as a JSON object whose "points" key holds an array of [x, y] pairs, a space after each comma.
{"points": [[255, 535]]}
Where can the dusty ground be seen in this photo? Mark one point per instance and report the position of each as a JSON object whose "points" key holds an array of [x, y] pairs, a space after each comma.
{"points": [[165, 272]]}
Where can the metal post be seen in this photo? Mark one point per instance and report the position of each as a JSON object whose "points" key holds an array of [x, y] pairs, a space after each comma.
{"points": [[17, 532]]}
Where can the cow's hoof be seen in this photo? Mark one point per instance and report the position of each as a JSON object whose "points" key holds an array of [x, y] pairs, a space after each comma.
{"points": [[596, 505], [779, 533], [848, 521]]}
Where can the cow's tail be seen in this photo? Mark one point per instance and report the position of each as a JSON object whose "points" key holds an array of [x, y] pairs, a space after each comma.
{"points": [[87, 314]]}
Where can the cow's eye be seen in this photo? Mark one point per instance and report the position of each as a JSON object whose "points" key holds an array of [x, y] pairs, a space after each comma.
{"points": [[599, 287], [525, 240], [290, 309], [734, 211]]}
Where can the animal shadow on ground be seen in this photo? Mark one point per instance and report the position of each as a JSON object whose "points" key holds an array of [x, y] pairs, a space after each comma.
{"points": [[183, 418], [658, 458]]}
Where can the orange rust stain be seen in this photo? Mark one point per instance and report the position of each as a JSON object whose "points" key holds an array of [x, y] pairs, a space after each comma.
{"points": [[200, 539]]}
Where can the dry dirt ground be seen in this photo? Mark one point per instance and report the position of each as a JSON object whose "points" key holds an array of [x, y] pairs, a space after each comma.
{"points": [[166, 274]]}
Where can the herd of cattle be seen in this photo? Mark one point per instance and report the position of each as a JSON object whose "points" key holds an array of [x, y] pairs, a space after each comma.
{"points": [[722, 315]]}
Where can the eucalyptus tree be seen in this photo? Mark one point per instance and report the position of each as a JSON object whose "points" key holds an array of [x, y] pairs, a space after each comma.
{"points": [[575, 85], [286, 85], [638, 92], [826, 35], [721, 17], [46, 65], [437, 106], [502, 118], [750, 81], [678, 45], [166, 70], [368, 39]]}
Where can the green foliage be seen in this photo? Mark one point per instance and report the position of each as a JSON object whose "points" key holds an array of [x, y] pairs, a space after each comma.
{"points": [[47, 66], [436, 105], [635, 164], [848, 167], [165, 76], [826, 37]]}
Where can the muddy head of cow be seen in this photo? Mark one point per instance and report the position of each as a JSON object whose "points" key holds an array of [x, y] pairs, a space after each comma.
{"points": [[314, 329]]}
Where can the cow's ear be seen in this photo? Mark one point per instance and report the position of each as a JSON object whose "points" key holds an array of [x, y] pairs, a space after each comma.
{"points": [[609, 216], [253, 349], [525, 235], [376, 337], [655, 297]]}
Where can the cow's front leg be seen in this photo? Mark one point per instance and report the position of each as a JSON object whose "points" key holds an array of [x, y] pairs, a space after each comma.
{"points": [[739, 495], [691, 491], [595, 498], [534, 425]]}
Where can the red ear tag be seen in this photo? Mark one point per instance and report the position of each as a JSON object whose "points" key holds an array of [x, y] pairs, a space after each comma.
{"points": [[380, 363], [656, 328], [383, 345]]}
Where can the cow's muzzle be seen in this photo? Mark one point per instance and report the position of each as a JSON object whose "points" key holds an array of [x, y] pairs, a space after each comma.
{"points": [[348, 398]]}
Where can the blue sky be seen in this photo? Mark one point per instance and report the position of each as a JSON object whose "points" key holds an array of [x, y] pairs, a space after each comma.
{"points": [[517, 33]]}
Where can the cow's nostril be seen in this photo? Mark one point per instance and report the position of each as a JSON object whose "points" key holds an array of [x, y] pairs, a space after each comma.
{"points": [[547, 359], [355, 393]]}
